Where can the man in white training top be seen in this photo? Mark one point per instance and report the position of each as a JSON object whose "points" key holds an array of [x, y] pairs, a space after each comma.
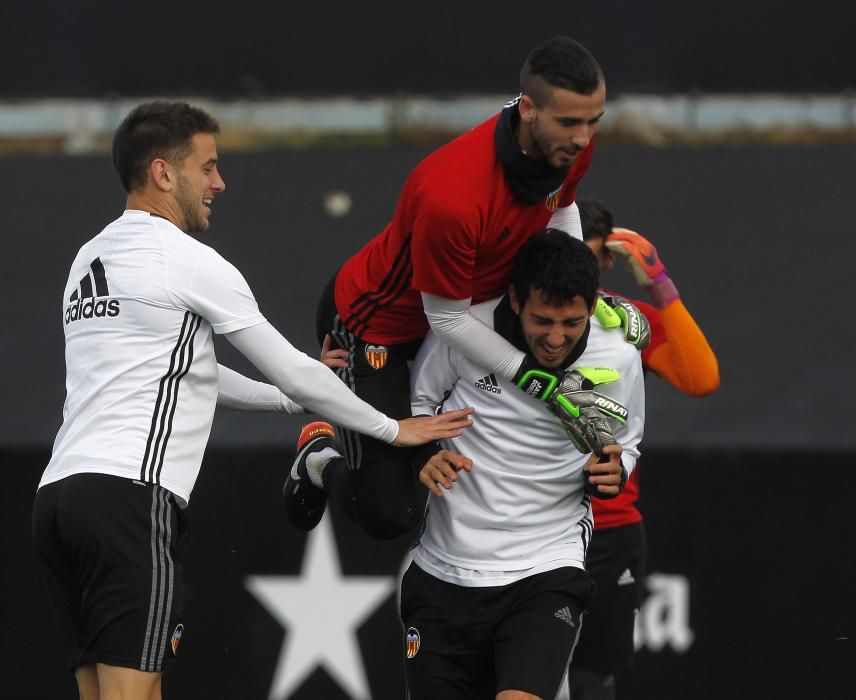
{"points": [[492, 603], [139, 309]]}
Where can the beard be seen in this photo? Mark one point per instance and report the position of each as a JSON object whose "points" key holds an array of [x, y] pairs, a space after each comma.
{"points": [[190, 207], [546, 150]]}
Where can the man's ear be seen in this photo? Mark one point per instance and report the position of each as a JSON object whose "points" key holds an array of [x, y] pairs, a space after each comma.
{"points": [[162, 174], [512, 298], [526, 108]]}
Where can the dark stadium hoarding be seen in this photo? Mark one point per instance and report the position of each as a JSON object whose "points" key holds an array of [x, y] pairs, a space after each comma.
{"points": [[757, 239], [268, 49]]}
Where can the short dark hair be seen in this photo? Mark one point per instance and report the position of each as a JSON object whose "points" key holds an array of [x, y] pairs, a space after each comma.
{"points": [[159, 129], [596, 219], [559, 62], [560, 266]]}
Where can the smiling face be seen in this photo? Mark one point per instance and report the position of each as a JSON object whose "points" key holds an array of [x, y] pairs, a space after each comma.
{"points": [[198, 181], [563, 127], [551, 331]]}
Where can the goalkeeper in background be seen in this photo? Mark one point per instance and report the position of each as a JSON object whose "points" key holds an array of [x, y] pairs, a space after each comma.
{"points": [[492, 602], [680, 354]]}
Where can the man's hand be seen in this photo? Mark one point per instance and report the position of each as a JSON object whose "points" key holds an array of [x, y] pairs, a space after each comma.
{"points": [[334, 359], [442, 470], [612, 311], [583, 411], [422, 429], [638, 255], [605, 475]]}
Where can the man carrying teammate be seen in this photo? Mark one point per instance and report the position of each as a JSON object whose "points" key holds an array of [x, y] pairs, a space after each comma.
{"points": [[140, 306], [492, 602]]}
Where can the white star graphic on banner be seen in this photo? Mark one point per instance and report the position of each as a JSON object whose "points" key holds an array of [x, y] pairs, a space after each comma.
{"points": [[321, 611]]}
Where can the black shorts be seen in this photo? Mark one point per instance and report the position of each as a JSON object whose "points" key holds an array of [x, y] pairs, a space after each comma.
{"points": [[463, 642], [616, 561], [378, 489], [111, 550]]}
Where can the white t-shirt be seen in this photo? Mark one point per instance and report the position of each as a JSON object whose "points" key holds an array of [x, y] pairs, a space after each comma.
{"points": [[522, 509], [139, 308]]}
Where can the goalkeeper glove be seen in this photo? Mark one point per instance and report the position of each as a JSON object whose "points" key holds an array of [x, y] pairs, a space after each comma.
{"points": [[583, 412], [571, 397], [640, 258], [637, 254], [613, 311]]}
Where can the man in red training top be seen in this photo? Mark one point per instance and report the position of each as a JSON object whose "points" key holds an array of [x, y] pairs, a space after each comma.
{"points": [[464, 213]]}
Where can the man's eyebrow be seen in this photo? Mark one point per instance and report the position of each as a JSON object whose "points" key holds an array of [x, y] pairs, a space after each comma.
{"points": [[564, 320], [580, 120]]}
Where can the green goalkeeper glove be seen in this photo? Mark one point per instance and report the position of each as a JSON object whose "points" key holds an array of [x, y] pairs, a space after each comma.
{"points": [[582, 411], [613, 311]]}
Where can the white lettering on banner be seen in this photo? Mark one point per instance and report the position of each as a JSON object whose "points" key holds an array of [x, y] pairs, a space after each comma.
{"points": [[664, 618]]}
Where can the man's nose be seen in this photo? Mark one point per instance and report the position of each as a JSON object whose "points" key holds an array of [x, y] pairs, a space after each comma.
{"points": [[556, 336], [583, 135]]}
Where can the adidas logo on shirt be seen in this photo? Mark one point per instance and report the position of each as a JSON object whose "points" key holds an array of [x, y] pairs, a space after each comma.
{"points": [[84, 304], [488, 383]]}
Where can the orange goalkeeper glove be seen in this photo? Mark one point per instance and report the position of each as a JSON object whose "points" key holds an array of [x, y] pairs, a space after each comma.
{"points": [[640, 258]]}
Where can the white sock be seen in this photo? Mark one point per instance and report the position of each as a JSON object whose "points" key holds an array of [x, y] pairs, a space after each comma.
{"points": [[317, 461]]}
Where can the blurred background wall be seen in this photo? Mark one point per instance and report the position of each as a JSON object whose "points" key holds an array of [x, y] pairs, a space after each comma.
{"points": [[91, 48], [734, 152]]}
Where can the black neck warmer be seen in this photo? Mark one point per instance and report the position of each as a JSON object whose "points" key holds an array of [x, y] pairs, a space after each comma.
{"points": [[530, 180]]}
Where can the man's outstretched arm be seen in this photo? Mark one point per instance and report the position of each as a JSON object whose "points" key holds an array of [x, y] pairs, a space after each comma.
{"points": [[314, 386]]}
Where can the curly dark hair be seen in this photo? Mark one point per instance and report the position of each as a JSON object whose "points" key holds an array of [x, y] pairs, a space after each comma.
{"points": [[560, 266]]}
